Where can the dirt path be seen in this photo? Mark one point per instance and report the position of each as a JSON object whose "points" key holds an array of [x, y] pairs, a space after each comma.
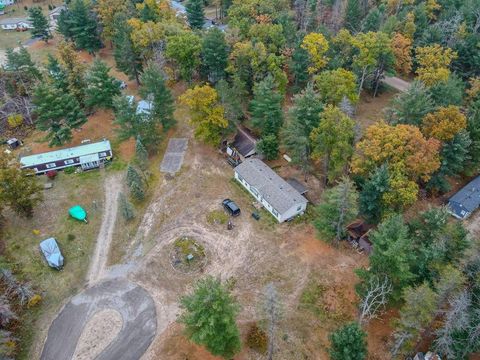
{"points": [[397, 83], [100, 256]]}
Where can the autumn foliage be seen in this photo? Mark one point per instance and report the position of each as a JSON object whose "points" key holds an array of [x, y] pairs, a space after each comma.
{"points": [[402, 147], [434, 62], [444, 123], [402, 50]]}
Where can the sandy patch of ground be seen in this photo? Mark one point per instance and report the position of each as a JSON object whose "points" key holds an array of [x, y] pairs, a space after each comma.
{"points": [[99, 258], [102, 328]]}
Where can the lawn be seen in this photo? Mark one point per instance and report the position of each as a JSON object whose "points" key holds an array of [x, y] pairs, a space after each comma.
{"points": [[12, 39], [76, 240]]}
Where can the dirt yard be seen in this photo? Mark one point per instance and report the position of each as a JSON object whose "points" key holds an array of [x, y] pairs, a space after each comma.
{"points": [[316, 281]]}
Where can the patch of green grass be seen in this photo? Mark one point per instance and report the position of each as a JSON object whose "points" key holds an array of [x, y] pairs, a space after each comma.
{"points": [[117, 165], [311, 298], [12, 39], [217, 217], [76, 241], [189, 246]]}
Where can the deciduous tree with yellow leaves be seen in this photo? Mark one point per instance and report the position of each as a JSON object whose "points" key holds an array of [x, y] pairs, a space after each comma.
{"points": [[401, 145], [434, 62], [206, 114], [444, 123], [317, 46], [334, 85]]}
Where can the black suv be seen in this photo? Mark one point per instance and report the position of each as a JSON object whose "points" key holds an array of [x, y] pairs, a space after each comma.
{"points": [[231, 207]]}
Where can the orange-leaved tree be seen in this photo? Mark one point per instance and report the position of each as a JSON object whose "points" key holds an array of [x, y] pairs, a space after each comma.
{"points": [[400, 147], [444, 123], [402, 50]]}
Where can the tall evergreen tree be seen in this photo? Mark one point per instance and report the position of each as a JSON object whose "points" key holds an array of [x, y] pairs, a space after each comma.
{"points": [[304, 116], [266, 107], [101, 87], [132, 175], [195, 13], [338, 208], [84, 27], [57, 73], [371, 202], [58, 113], [74, 70], [353, 16], [155, 89], [141, 155], [232, 97], [209, 315], [137, 191], [126, 207], [473, 128], [20, 72], [65, 24], [41, 27], [348, 343], [268, 146], [214, 54], [130, 124], [127, 59], [300, 62]]}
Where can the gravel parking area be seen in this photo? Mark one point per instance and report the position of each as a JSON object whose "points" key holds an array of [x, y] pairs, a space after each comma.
{"points": [[173, 158]]}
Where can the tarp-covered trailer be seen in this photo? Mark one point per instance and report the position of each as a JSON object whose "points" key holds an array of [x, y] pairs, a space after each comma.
{"points": [[51, 251]]}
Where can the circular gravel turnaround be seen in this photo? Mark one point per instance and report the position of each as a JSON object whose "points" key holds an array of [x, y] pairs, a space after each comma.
{"points": [[132, 302]]}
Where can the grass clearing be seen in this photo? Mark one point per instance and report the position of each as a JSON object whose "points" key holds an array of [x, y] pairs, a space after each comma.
{"points": [[76, 241], [217, 217], [12, 39]]}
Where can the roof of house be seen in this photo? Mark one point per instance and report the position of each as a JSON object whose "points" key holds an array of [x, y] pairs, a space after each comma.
{"points": [[358, 228], [244, 141], [297, 185], [10, 21], [68, 153], [466, 200], [276, 191], [144, 107], [58, 9]]}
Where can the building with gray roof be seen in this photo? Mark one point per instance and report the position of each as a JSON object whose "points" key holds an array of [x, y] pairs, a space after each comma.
{"points": [[466, 200], [280, 198]]}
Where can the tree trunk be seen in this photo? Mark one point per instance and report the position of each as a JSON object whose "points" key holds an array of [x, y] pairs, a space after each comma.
{"points": [[362, 80], [327, 167]]}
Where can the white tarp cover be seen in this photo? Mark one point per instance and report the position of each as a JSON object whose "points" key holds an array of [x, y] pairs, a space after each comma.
{"points": [[51, 251]]}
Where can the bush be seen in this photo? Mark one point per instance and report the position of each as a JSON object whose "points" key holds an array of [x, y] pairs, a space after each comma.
{"points": [[25, 8], [52, 174], [257, 339], [35, 300], [69, 170], [50, 7], [70, 237], [217, 217], [14, 120]]}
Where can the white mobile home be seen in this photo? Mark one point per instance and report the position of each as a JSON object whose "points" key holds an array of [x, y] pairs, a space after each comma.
{"points": [[15, 23], [274, 193]]}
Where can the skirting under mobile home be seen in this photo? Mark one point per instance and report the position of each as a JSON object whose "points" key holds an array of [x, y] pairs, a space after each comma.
{"points": [[275, 194]]}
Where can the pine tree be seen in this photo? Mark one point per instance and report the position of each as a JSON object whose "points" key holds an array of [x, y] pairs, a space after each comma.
{"points": [[58, 113], [56, 73], [127, 59], [133, 176], [84, 27], [214, 54], [473, 128], [373, 20], [65, 24], [137, 191], [304, 116], [300, 61], [195, 13], [101, 87], [338, 208], [353, 16], [232, 97], [348, 343], [266, 107], [209, 315], [371, 197], [126, 207], [20, 72], [268, 146], [132, 125], [41, 27], [141, 155], [155, 89]]}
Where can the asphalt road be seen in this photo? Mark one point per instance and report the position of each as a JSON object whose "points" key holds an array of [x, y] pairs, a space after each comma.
{"points": [[132, 302]]}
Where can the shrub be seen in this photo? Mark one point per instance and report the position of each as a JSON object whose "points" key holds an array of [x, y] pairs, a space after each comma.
{"points": [[14, 120], [25, 8], [257, 339], [51, 174], [70, 237], [69, 170], [35, 300]]}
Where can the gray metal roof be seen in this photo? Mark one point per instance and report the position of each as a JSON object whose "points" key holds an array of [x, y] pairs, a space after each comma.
{"points": [[62, 154], [276, 191], [467, 199], [9, 21]]}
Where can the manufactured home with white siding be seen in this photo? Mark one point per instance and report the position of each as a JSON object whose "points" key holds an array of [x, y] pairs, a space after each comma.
{"points": [[87, 156], [275, 194]]}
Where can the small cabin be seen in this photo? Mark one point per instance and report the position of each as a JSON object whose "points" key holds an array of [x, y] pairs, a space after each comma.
{"points": [[88, 156], [357, 233], [466, 200]]}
